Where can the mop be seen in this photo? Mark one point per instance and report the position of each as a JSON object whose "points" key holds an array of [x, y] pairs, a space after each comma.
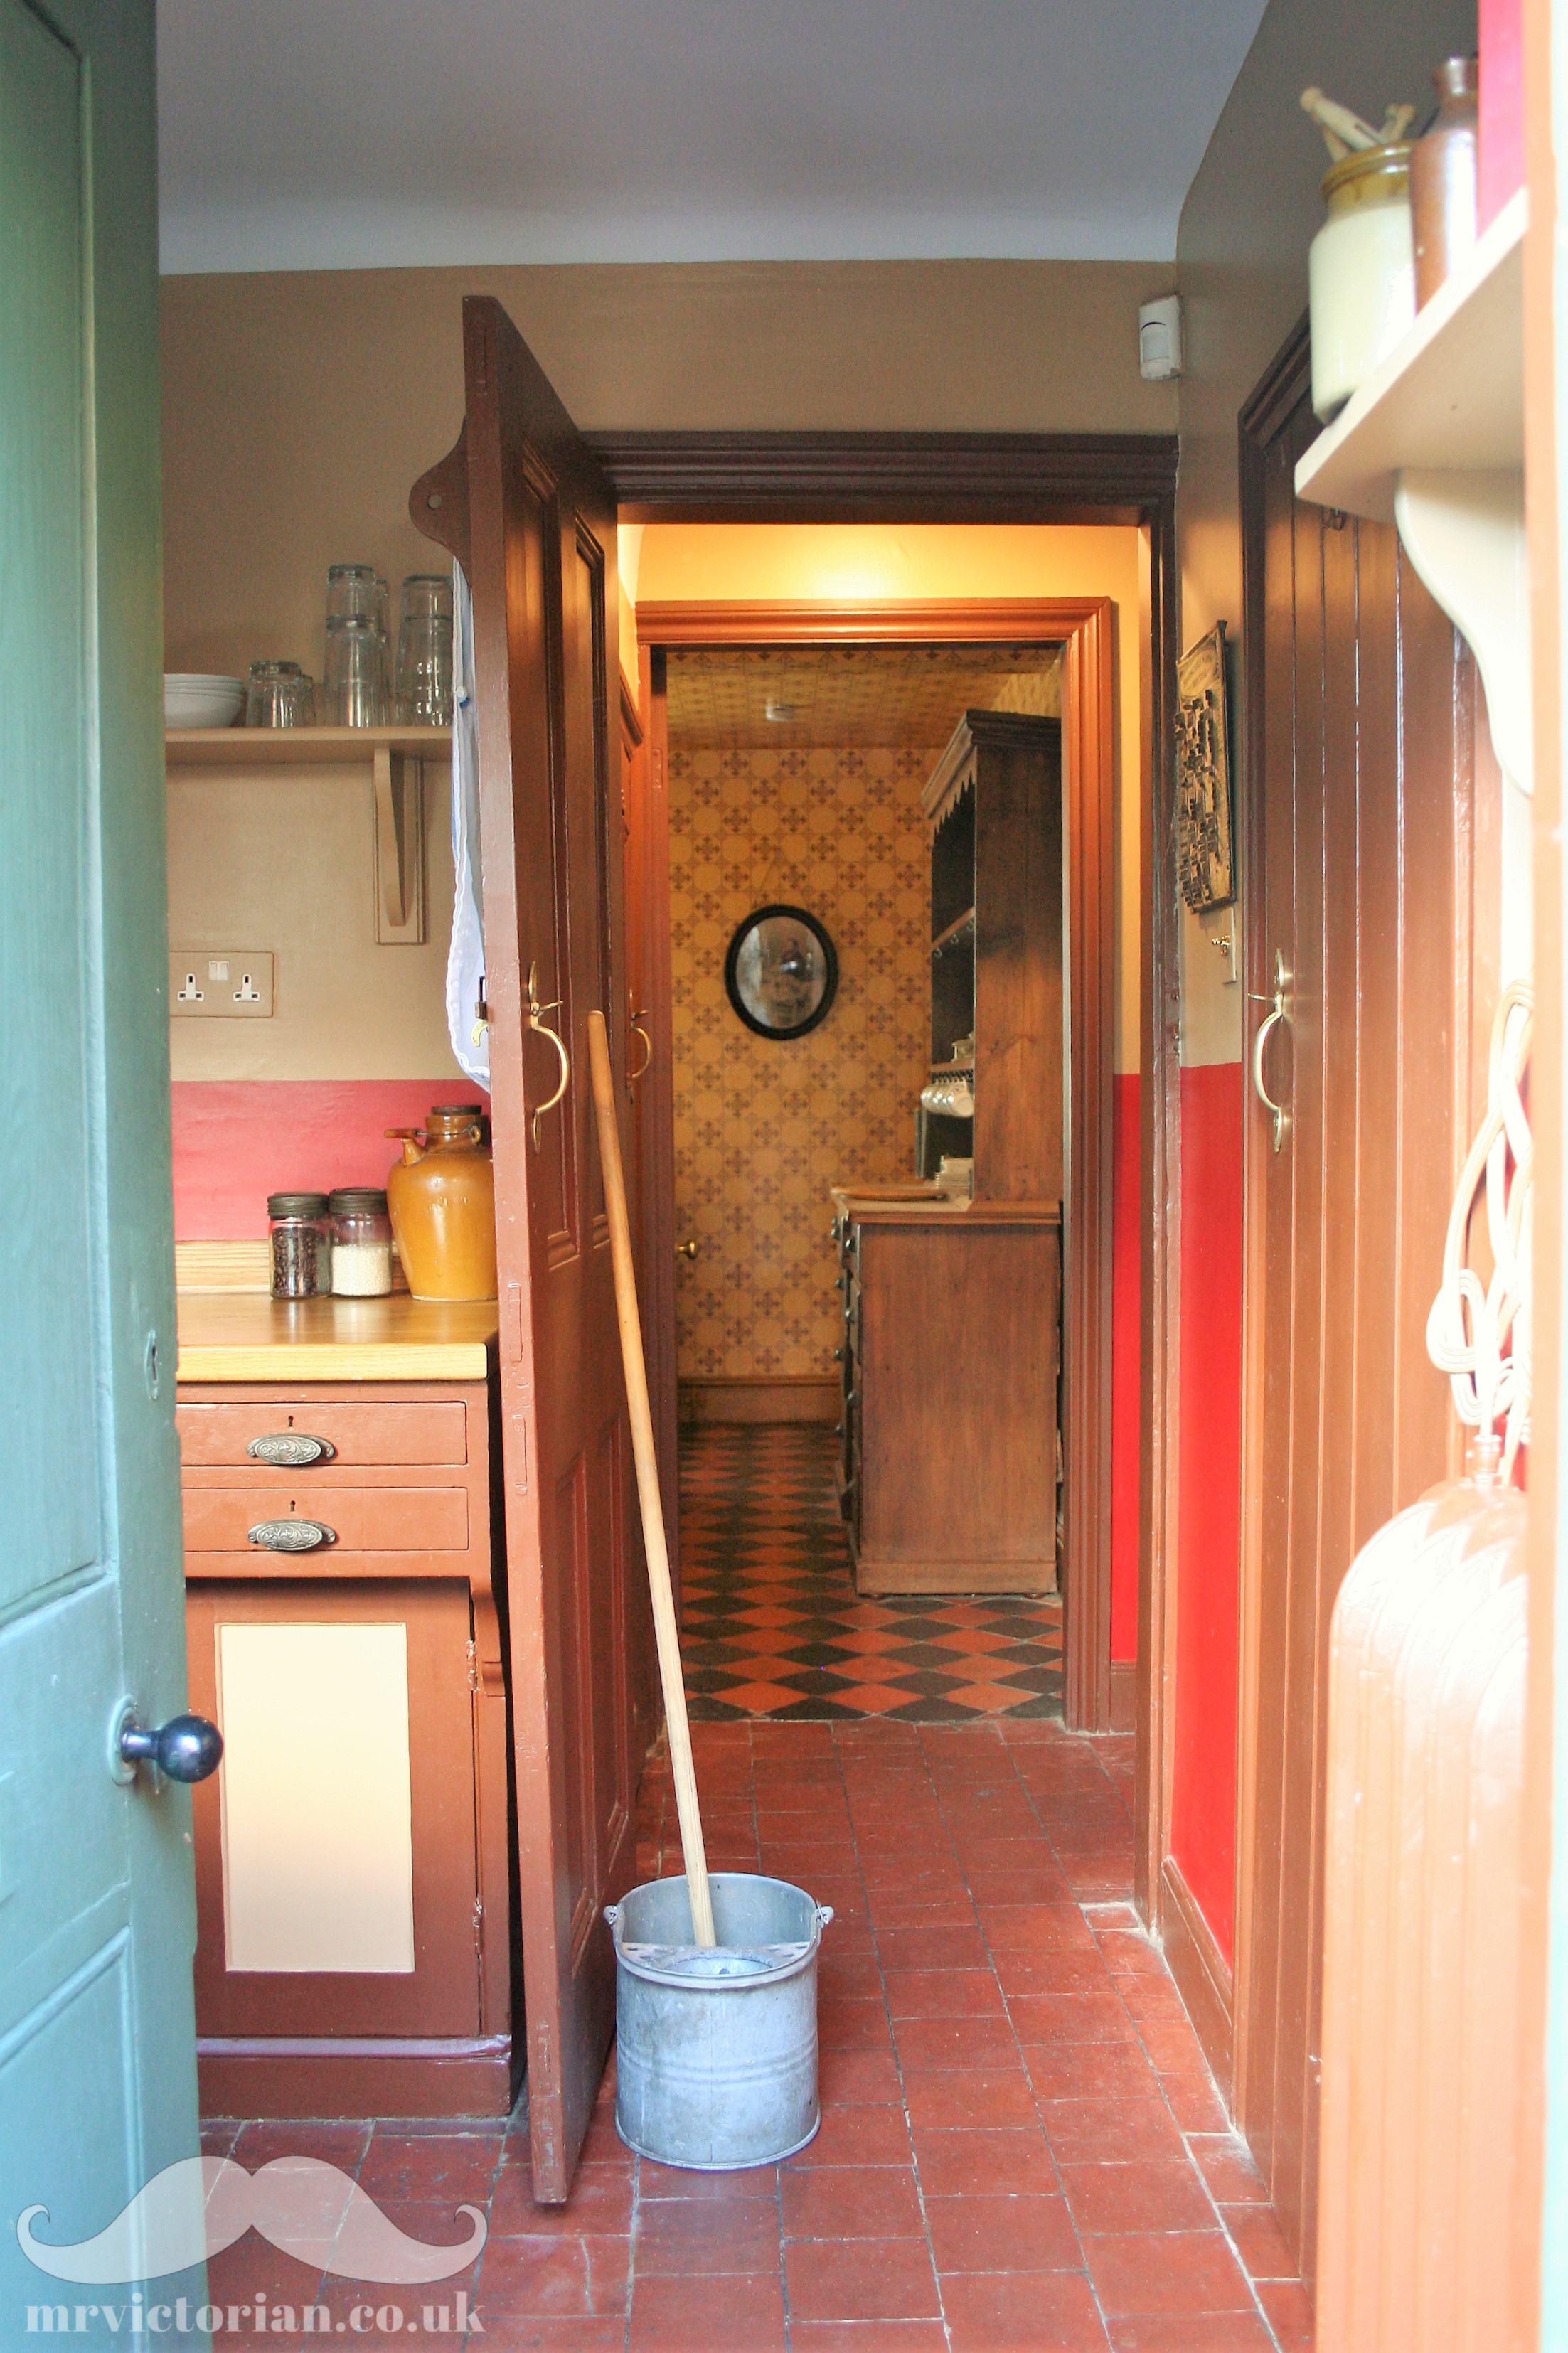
{"points": [[700, 2083]]}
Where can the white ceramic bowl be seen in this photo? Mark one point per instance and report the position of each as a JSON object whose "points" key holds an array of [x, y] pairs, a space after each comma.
{"points": [[191, 700]]}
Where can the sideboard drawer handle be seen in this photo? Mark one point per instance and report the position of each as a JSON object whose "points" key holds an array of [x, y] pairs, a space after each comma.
{"points": [[290, 1535], [289, 1450]]}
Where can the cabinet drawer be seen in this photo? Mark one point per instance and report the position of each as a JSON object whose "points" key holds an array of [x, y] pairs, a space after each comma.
{"points": [[418, 1432], [361, 1519]]}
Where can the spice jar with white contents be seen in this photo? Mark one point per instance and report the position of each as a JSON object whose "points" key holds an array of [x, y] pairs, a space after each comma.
{"points": [[362, 1243], [301, 1245]]}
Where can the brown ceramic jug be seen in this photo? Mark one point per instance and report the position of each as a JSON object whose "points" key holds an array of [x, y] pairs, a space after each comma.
{"points": [[1443, 179], [441, 1196]]}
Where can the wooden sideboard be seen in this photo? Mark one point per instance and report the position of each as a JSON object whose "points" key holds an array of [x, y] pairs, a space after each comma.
{"points": [[947, 1467], [356, 1937]]}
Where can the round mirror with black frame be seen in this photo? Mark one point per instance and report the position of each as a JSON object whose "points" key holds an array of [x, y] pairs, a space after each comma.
{"points": [[782, 972]]}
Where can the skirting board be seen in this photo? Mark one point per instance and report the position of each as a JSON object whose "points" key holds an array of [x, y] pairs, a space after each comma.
{"points": [[1198, 1965], [1038, 1577], [326, 2075], [762, 1396], [1124, 1694]]}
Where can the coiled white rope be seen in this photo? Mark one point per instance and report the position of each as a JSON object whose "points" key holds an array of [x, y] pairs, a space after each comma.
{"points": [[1480, 1337]]}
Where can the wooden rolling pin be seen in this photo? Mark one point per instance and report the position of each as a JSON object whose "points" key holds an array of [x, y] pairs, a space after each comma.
{"points": [[665, 1630]]}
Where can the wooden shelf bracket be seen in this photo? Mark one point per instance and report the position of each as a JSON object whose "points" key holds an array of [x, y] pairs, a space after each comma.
{"points": [[400, 862]]}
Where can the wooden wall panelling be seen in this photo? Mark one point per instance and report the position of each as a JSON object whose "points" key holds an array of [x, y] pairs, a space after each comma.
{"points": [[1360, 829]]}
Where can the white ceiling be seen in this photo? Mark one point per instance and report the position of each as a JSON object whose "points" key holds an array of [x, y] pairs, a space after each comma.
{"points": [[307, 134]]}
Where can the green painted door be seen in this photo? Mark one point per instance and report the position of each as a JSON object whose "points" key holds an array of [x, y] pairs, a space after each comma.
{"points": [[97, 1911]]}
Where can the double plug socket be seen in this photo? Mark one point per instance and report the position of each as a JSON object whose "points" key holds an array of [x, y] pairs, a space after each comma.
{"points": [[220, 983]]}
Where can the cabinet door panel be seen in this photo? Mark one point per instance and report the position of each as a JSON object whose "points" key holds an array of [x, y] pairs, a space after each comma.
{"points": [[439, 1996]]}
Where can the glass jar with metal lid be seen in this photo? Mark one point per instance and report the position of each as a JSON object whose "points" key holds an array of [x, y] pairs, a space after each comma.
{"points": [[362, 1243], [301, 1245]]}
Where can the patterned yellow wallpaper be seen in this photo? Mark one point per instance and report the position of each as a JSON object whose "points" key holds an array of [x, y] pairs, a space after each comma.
{"points": [[762, 1129]]}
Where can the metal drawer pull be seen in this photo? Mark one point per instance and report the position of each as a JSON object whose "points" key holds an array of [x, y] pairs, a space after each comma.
{"points": [[289, 1535], [289, 1450]]}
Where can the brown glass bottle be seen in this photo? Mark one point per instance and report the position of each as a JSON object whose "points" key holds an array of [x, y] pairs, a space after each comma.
{"points": [[1443, 179]]}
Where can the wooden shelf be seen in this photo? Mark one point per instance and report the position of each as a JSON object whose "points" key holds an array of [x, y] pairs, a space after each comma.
{"points": [[300, 747], [1451, 397], [959, 934]]}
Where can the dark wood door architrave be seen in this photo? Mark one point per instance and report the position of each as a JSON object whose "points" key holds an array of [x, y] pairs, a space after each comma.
{"points": [[1082, 629]]}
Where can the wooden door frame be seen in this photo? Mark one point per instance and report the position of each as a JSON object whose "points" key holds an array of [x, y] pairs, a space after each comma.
{"points": [[1123, 478], [1083, 628]]}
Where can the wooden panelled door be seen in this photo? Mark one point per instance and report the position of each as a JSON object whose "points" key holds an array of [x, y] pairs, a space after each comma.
{"points": [[1371, 848], [525, 509], [98, 2076]]}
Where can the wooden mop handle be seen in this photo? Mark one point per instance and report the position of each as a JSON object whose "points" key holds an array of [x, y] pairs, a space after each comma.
{"points": [[666, 1632]]}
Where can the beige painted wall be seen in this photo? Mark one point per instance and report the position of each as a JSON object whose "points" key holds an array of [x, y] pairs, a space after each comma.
{"points": [[283, 859], [862, 562], [298, 408], [1241, 263]]}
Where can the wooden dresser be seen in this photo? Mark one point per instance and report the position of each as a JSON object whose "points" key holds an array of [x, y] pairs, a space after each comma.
{"points": [[948, 1461], [355, 1952], [948, 1440]]}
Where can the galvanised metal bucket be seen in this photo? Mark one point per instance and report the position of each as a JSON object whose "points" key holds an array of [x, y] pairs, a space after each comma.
{"points": [[716, 2048]]}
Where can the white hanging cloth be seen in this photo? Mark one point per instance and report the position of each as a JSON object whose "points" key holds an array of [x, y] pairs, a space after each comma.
{"points": [[466, 1018]]}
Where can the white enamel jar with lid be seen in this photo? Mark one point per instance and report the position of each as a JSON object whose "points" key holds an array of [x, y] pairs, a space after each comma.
{"points": [[1360, 273]]}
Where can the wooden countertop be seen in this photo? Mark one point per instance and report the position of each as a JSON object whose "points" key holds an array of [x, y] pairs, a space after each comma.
{"points": [[921, 1204], [246, 1335]]}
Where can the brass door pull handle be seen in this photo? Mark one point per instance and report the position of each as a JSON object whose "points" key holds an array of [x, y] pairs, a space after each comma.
{"points": [[537, 1023], [686, 1250], [639, 1031], [1277, 1112]]}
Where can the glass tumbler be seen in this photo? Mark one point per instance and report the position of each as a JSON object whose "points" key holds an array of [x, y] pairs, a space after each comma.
{"points": [[424, 652], [279, 694], [355, 682], [351, 589]]}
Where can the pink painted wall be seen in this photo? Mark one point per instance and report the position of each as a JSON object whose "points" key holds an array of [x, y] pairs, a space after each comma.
{"points": [[1202, 1802], [237, 1140]]}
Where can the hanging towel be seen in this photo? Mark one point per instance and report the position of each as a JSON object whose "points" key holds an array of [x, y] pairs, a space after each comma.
{"points": [[466, 961]]}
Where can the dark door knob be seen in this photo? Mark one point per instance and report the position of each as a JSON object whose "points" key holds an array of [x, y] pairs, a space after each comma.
{"points": [[187, 1748]]}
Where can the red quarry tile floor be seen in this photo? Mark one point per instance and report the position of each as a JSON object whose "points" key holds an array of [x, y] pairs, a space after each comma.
{"points": [[1021, 2150]]}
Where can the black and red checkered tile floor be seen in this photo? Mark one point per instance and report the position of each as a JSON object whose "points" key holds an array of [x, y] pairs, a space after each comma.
{"points": [[772, 1625]]}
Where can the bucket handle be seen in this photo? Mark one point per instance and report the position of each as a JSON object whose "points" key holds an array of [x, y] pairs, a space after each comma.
{"points": [[824, 1914]]}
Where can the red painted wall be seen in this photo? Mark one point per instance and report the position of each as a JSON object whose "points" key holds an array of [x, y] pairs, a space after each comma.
{"points": [[1202, 1797], [1126, 1299], [237, 1140]]}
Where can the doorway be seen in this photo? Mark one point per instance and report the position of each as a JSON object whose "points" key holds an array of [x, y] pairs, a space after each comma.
{"points": [[903, 656]]}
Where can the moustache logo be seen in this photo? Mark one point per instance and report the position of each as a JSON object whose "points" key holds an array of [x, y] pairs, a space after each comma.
{"points": [[302, 2205]]}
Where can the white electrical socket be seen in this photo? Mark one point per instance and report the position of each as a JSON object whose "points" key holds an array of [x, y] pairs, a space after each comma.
{"points": [[220, 983]]}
